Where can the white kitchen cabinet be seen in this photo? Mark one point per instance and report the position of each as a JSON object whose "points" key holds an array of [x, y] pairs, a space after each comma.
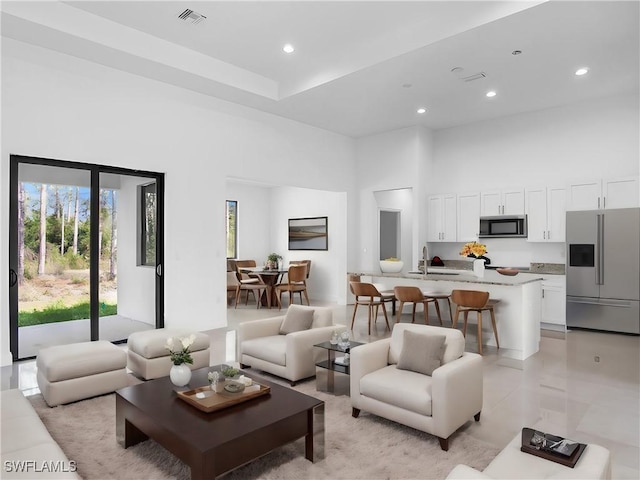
{"points": [[596, 194], [442, 218], [620, 192], [502, 202], [546, 208], [554, 305], [468, 217]]}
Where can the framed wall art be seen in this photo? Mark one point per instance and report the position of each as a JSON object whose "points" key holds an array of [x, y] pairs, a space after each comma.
{"points": [[308, 233]]}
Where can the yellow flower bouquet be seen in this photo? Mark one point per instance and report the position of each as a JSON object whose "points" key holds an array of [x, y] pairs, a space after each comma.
{"points": [[473, 249]]}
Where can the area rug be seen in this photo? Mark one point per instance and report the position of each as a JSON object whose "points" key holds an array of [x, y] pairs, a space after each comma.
{"points": [[368, 447]]}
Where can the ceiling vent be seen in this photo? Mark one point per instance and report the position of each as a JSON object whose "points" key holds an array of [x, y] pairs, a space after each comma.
{"points": [[475, 76], [191, 17]]}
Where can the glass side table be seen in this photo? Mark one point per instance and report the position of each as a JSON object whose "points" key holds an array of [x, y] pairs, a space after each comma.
{"points": [[335, 362]]}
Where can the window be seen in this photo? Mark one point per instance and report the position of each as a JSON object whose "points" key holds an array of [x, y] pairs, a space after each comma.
{"points": [[147, 224], [232, 228]]}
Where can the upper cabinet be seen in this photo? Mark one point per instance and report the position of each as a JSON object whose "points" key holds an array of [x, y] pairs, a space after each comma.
{"points": [[468, 216], [546, 214], [442, 218], [502, 202], [622, 192]]}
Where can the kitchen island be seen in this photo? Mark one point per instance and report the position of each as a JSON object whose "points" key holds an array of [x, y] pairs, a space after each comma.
{"points": [[517, 314]]}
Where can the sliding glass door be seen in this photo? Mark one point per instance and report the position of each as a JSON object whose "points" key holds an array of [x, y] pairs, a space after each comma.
{"points": [[74, 248]]}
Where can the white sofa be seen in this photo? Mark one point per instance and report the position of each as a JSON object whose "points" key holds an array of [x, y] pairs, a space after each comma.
{"points": [[27, 449], [512, 464], [438, 404], [291, 356]]}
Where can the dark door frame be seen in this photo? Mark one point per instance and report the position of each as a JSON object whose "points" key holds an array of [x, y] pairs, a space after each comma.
{"points": [[94, 261]]}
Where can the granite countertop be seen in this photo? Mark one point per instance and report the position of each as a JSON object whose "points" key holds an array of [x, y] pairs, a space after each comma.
{"points": [[548, 268], [491, 277], [534, 267]]}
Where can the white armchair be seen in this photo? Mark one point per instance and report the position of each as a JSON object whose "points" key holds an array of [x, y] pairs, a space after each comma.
{"points": [[438, 404], [262, 345]]}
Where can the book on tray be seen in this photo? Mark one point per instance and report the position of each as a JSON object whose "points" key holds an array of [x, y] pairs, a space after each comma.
{"points": [[553, 443]]}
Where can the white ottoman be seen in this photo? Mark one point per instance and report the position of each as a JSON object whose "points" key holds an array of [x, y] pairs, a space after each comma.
{"points": [[67, 373], [148, 358], [511, 463]]}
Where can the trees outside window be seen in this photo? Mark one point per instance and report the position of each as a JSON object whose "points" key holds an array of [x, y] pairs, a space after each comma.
{"points": [[147, 224], [232, 228]]}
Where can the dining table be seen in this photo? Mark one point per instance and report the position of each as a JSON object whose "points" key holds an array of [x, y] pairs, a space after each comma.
{"points": [[270, 277]]}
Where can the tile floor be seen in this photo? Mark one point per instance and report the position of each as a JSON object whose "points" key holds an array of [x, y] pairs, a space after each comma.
{"points": [[582, 385]]}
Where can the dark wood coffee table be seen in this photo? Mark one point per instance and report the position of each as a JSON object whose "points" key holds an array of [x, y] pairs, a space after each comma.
{"points": [[215, 443]]}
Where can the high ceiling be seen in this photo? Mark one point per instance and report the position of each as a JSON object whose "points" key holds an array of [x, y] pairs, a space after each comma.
{"points": [[360, 67]]}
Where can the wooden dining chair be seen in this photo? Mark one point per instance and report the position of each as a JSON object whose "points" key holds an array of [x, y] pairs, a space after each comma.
{"points": [[296, 276], [367, 294], [474, 301], [233, 287], [302, 262], [245, 278], [256, 289], [413, 295], [306, 263]]}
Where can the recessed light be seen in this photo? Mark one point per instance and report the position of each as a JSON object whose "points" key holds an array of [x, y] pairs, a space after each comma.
{"points": [[422, 110], [491, 94], [582, 71], [288, 48]]}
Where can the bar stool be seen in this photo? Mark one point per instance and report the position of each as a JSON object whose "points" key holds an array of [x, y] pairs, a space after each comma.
{"points": [[474, 301], [414, 295], [367, 294], [440, 296]]}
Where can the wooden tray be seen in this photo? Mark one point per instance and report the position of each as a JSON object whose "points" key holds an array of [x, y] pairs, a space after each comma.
{"points": [[571, 461], [217, 401]]}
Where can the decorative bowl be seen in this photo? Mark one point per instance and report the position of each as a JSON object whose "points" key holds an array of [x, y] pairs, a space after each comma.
{"points": [[234, 387], [507, 271], [391, 266]]}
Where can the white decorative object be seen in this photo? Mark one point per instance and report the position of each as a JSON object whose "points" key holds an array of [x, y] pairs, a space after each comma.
{"points": [[391, 266], [180, 375], [478, 268], [344, 340]]}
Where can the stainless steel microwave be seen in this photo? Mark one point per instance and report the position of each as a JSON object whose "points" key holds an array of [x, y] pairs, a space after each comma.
{"points": [[503, 226]]}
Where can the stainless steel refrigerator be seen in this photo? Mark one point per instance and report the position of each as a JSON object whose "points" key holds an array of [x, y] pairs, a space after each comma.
{"points": [[603, 272]]}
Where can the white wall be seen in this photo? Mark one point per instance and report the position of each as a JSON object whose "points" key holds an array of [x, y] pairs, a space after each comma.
{"points": [[587, 140], [391, 160], [58, 106], [254, 219], [328, 268]]}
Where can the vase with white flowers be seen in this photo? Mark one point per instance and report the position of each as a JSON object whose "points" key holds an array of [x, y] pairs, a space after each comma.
{"points": [[180, 354]]}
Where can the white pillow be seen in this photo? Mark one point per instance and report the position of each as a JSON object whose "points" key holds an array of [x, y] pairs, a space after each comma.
{"points": [[296, 320], [421, 352]]}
